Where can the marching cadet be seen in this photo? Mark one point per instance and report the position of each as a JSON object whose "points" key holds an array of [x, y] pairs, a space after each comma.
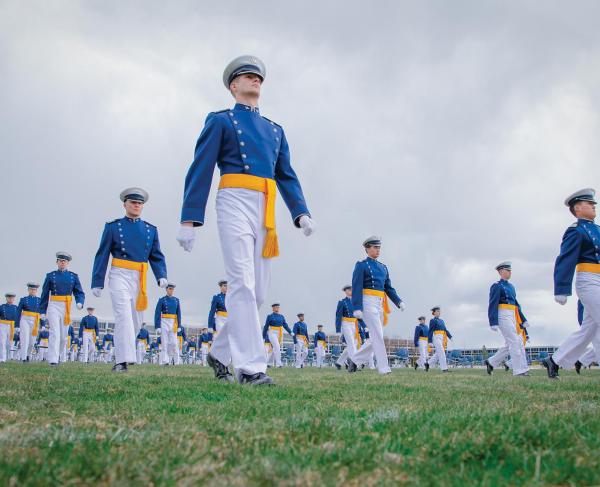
{"points": [[142, 343], [217, 317], [108, 343], [420, 341], [88, 331], [64, 353], [505, 315], [438, 336], [273, 329], [579, 253], [348, 326], [320, 345], [167, 320], [8, 317], [205, 341], [300, 334], [28, 318], [133, 243], [42, 341], [181, 342], [269, 352], [57, 294], [74, 349], [254, 159], [371, 287], [154, 349], [192, 349], [98, 351]]}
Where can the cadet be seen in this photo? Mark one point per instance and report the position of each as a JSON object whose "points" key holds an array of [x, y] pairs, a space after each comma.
{"points": [[57, 294], [206, 341], [300, 333], [74, 349], [217, 317], [181, 342], [42, 341], [254, 159], [8, 317], [192, 349], [142, 343], [16, 353], [269, 352], [420, 341], [579, 252], [88, 331], [371, 287], [347, 325], [108, 343], [28, 318], [133, 243], [167, 320], [273, 329], [438, 336], [320, 345], [504, 314], [64, 353]]}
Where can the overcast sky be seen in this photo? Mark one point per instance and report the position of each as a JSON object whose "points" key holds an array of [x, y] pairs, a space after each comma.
{"points": [[452, 129]]}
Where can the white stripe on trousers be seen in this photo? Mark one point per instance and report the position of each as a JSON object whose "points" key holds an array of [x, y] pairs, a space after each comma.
{"points": [[513, 344], [373, 318], [124, 285], [57, 329], [587, 286], [240, 221]]}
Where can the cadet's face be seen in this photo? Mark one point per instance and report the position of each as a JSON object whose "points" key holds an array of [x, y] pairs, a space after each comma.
{"points": [[246, 85], [224, 288], [62, 264], [32, 291], [300, 318], [170, 291], [505, 274], [133, 209], [10, 299], [90, 312], [436, 313], [275, 309], [373, 251], [348, 293], [585, 209]]}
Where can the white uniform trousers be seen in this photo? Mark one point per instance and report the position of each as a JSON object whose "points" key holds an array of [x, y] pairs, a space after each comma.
{"points": [[439, 354], [240, 220], [269, 354], [273, 335], [5, 341], [140, 351], [26, 326], [88, 345], [589, 357], [124, 285], [587, 286], [57, 329], [301, 352], [320, 353], [42, 352], [220, 347], [349, 332], [423, 353], [513, 344], [108, 355], [373, 318], [169, 349], [204, 349]]}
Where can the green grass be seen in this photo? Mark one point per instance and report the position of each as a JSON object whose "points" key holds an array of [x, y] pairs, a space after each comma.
{"points": [[165, 426]]}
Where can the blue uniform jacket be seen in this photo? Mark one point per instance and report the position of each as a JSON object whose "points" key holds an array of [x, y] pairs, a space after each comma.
{"points": [[580, 244], [206, 338], [275, 319], [181, 333], [300, 328], [143, 335], [320, 335], [9, 312], [168, 305], [421, 330], [502, 292], [28, 303], [89, 322], [71, 333], [437, 324], [61, 283], [371, 274], [154, 345], [43, 334], [108, 341], [129, 239], [217, 304], [240, 141], [344, 310]]}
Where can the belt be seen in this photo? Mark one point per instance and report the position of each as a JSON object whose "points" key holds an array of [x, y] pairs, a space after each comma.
{"points": [[423, 338], [174, 318], [142, 267], [222, 313], [279, 330], [588, 267], [520, 330], [145, 340], [269, 188], [67, 300], [35, 315], [12, 328], [386, 304]]}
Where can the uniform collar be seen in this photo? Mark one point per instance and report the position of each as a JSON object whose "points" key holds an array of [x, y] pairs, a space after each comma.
{"points": [[584, 220], [246, 108], [132, 220]]}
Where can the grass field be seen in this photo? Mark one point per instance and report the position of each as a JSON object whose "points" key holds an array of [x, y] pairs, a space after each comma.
{"points": [[165, 426]]}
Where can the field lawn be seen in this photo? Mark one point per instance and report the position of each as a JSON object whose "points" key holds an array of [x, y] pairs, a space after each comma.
{"points": [[82, 425]]}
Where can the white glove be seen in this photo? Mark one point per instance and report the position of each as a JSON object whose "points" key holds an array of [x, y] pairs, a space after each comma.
{"points": [[79, 306], [525, 324], [158, 331], [358, 314], [307, 225], [402, 306], [97, 291], [162, 282], [561, 299], [42, 316], [186, 237], [494, 328]]}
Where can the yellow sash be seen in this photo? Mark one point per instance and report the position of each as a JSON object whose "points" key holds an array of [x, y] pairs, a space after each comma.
{"points": [[442, 332], [11, 333], [520, 330], [142, 267], [356, 329], [423, 338], [180, 342], [303, 338], [269, 188], [386, 304], [36, 323], [279, 330], [588, 267], [174, 318], [93, 332], [145, 340], [68, 342], [323, 343], [67, 300], [222, 313]]}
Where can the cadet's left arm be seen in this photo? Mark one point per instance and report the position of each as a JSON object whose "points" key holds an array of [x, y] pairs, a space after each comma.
{"points": [[357, 287], [179, 315], [157, 260], [78, 291], [286, 326], [390, 291], [430, 333], [448, 334], [566, 262], [45, 296]]}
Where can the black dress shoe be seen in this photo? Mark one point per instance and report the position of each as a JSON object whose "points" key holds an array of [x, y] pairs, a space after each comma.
{"points": [[221, 371], [489, 367], [122, 367], [578, 366], [551, 367], [426, 366], [446, 370], [416, 365], [506, 368], [338, 366], [258, 379], [53, 364], [351, 366]]}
